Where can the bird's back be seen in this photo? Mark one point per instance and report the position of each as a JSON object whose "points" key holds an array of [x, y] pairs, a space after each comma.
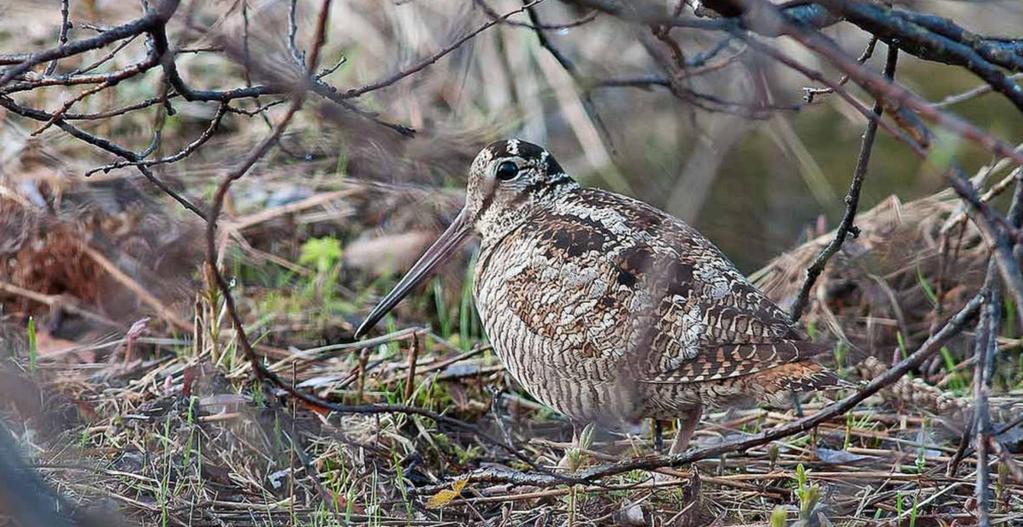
{"points": [[610, 310]]}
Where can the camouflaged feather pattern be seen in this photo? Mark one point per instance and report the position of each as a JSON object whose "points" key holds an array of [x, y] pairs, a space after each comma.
{"points": [[609, 310]]}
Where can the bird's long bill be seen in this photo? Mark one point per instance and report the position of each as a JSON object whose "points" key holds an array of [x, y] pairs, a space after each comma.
{"points": [[448, 243]]}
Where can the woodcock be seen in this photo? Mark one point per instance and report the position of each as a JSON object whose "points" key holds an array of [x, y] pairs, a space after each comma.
{"points": [[609, 310]]}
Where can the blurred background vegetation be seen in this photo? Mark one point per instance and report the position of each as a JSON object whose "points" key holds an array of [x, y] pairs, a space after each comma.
{"points": [[755, 187]]}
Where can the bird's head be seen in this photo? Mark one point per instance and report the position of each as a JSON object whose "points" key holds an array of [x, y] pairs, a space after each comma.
{"points": [[507, 181]]}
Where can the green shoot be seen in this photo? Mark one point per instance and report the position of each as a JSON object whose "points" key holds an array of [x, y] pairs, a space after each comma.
{"points": [[926, 286], [164, 494], [1009, 320], [956, 382], [839, 353], [849, 423], [187, 455], [778, 517], [400, 480], [442, 309], [574, 457], [258, 398], [33, 347], [808, 493], [465, 312]]}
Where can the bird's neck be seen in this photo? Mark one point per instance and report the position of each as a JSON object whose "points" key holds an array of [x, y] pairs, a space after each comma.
{"points": [[502, 218]]}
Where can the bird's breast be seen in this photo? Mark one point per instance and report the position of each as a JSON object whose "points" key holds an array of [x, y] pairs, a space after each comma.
{"points": [[557, 322]]}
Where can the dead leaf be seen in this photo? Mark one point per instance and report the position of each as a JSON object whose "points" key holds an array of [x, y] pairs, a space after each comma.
{"points": [[445, 496]]}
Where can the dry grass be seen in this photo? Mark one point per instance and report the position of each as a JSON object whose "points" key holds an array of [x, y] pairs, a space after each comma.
{"points": [[183, 437]]}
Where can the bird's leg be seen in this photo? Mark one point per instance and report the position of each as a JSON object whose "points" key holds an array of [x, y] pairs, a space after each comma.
{"points": [[796, 405], [687, 425], [658, 436]]}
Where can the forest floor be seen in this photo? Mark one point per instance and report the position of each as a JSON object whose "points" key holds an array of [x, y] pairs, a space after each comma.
{"points": [[162, 422]]}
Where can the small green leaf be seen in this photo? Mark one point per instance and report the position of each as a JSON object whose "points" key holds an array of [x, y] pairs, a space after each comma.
{"points": [[586, 437], [321, 252]]}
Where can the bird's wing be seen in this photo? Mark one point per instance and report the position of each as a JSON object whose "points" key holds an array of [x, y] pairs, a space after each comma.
{"points": [[683, 310], [735, 360]]}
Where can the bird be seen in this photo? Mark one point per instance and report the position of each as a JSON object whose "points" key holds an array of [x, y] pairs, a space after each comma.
{"points": [[609, 310]]}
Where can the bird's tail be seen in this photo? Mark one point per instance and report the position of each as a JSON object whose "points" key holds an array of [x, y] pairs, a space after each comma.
{"points": [[779, 386]]}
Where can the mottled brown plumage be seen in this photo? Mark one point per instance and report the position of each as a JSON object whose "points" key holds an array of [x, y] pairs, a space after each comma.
{"points": [[609, 310]]}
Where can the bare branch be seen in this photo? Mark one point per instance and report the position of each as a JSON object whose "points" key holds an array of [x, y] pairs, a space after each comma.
{"points": [[103, 144], [154, 19], [986, 346], [898, 28], [65, 26], [183, 153], [893, 94], [852, 199], [423, 64]]}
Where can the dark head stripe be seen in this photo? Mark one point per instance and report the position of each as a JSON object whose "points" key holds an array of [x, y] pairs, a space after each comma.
{"points": [[521, 149]]}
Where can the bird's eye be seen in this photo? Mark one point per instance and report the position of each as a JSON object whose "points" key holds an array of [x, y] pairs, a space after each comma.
{"points": [[507, 171]]}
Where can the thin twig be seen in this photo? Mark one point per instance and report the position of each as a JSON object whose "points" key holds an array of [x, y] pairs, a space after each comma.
{"points": [[118, 111], [986, 347], [423, 64], [68, 104], [573, 71], [810, 93], [103, 144], [296, 53], [533, 24], [971, 93], [150, 21], [183, 153], [65, 26], [105, 58], [852, 199]]}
